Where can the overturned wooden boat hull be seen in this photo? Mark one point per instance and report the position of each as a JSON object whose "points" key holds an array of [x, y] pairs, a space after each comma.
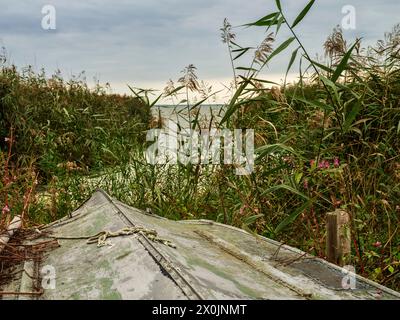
{"points": [[174, 260]]}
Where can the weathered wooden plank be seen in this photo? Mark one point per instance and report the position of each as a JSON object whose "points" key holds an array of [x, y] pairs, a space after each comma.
{"points": [[15, 224]]}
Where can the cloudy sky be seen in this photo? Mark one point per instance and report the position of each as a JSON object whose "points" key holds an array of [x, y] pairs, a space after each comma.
{"points": [[145, 43]]}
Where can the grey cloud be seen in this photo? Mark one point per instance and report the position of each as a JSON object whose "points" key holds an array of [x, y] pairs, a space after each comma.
{"points": [[153, 40]]}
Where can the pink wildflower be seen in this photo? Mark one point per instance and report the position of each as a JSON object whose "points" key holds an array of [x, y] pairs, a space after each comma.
{"points": [[336, 162], [324, 165], [377, 244]]}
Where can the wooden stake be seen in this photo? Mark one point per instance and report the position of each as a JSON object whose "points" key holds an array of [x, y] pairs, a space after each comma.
{"points": [[338, 245], [15, 224]]}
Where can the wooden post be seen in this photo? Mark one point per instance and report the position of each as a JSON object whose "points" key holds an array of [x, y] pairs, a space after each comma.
{"points": [[338, 245], [15, 224]]}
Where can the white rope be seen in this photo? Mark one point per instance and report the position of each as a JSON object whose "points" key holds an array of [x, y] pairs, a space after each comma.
{"points": [[101, 237]]}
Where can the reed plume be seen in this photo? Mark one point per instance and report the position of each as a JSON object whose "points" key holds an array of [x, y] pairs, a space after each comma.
{"points": [[263, 51]]}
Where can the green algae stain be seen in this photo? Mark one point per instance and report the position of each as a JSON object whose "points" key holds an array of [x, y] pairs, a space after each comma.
{"points": [[107, 293], [244, 289]]}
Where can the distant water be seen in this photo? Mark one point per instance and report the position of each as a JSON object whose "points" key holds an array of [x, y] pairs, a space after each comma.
{"points": [[180, 114]]}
